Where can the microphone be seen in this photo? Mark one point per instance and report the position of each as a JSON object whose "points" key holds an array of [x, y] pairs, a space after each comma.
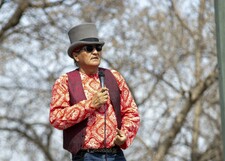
{"points": [[101, 76]]}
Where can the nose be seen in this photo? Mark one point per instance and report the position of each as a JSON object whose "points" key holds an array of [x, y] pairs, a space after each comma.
{"points": [[94, 51]]}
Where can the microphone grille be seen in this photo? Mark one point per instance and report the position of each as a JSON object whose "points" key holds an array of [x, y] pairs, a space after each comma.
{"points": [[101, 74]]}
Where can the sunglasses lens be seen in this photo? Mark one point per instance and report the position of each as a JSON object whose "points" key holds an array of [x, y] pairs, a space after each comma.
{"points": [[89, 48], [98, 47]]}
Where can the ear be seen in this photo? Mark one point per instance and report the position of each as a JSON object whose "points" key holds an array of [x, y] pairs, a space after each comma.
{"points": [[75, 56]]}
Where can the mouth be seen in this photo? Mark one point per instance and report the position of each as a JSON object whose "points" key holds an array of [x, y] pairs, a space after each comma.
{"points": [[95, 58]]}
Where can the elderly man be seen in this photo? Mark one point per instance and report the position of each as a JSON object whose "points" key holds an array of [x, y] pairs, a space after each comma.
{"points": [[92, 105]]}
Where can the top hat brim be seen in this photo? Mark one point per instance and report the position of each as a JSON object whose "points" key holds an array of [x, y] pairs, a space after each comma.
{"points": [[82, 43]]}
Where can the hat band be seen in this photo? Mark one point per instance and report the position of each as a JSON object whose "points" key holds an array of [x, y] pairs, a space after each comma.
{"points": [[90, 39]]}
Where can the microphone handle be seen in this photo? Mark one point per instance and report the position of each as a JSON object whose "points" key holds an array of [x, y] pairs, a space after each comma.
{"points": [[102, 82]]}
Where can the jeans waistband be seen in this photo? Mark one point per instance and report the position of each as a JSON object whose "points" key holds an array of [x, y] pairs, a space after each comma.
{"points": [[112, 150]]}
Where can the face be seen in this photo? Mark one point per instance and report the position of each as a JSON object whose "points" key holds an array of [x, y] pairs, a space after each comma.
{"points": [[88, 56]]}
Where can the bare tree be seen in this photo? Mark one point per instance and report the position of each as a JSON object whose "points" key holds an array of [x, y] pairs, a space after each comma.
{"points": [[166, 51]]}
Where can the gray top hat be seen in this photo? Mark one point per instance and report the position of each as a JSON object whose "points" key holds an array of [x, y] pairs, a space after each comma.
{"points": [[83, 34]]}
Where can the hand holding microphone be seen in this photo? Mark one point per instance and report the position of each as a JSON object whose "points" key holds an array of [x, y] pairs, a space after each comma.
{"points": [[102, 95]]}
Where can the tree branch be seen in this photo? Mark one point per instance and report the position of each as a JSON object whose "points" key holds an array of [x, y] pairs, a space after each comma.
{"points": [[33, 136], [195, 93], [180, 19], [45, 4], [15, 18]]}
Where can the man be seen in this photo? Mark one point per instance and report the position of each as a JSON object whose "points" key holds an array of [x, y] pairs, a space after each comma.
{"points": [[98, 116]]}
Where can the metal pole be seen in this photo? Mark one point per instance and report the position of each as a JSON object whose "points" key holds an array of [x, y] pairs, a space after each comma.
{"points": [[220, 38]]}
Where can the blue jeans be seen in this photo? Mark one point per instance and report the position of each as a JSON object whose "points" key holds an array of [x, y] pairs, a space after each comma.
{"points": [[99, 157]]}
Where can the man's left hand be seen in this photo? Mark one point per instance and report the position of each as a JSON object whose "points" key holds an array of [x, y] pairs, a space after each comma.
{"points": [[120, 138]]}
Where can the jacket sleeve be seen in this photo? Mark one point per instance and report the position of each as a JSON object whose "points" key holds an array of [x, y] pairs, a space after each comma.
{"points": [[129, 111], [62, 115]]}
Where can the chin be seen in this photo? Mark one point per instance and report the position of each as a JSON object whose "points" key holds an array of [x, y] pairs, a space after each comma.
{"points": [[94, 64]]}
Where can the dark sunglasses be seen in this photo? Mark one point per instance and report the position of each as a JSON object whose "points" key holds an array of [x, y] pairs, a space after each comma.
{"points": [[90, 48]]}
